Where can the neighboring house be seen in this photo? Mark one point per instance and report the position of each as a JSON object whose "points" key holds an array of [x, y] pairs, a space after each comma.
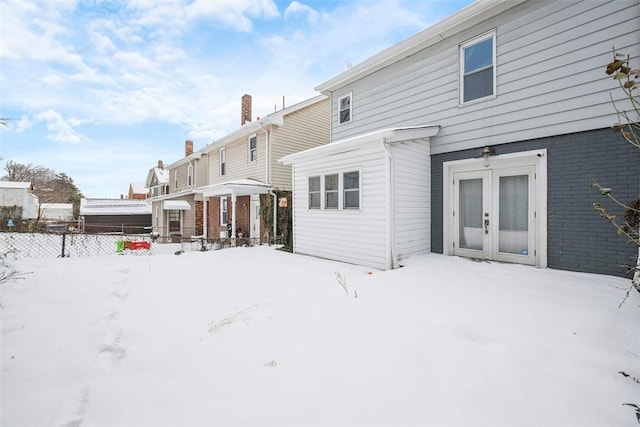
{"points": [[157, 180], [115, 216], [17, 200], [62, 212], [137, 191], [477, 137], [179, 211], [229, 175]]}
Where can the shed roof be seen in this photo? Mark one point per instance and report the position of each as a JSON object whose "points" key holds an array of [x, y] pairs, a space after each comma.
{"points": [[114, 207]]}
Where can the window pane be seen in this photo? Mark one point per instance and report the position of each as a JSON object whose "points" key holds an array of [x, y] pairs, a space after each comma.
{"points": [[514, 214], [352, 199], [314, 200], [314, 183], [331, 201], [470, 209], [345, 103], [479, 55], [345, 116], [331, 182], [478, 85], [351, 180]]}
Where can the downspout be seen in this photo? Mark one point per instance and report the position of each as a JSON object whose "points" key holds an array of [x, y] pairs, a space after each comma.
{"points": [[391, 241], [275, 215], [267, 154], [267, 179]]}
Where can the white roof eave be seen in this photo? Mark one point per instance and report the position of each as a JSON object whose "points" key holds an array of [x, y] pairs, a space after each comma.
{"points": [[390, 135]]}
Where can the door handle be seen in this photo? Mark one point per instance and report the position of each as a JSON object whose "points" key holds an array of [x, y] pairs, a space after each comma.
{"points": [[486, 226]]}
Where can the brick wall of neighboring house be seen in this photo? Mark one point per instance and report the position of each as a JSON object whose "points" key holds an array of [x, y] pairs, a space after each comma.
{"points": [[199, 219], [578, 239], [243, 215]]}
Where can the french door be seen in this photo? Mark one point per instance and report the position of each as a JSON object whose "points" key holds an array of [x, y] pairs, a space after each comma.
{"points": [[493, 214]]}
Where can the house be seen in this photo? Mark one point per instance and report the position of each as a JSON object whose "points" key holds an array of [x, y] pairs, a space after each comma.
{"points": [[238, 176], [477, 137], [115, 216], [157, 180], [137, 191], [17, 201], [62, 212], [178, 212]]}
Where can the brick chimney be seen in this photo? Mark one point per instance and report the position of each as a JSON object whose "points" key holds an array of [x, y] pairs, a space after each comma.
{"points": [[188, 147], [245, 112], [160, 164]]}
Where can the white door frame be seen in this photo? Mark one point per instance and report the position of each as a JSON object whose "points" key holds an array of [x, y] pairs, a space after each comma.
{"points": [[535, 158]]}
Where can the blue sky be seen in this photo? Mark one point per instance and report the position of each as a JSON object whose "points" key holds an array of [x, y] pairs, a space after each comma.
{"points": [[103, 89]]}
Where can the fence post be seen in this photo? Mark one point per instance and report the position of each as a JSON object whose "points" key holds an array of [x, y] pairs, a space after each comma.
{"points": [[64, 241]]}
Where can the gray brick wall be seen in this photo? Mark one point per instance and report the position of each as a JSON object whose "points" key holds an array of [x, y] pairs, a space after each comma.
{"points": [[578, 238]]}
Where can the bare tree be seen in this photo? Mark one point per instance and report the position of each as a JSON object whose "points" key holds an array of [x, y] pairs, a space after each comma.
{"points": [[629, 127]]}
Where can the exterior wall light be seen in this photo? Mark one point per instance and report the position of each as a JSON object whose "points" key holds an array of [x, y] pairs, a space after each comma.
{"points": [[487, 152]]}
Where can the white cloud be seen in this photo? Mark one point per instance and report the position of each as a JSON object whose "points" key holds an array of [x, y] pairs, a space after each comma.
{"points": [[234, 14], [59, 129], [23, 124], [299, 8]]}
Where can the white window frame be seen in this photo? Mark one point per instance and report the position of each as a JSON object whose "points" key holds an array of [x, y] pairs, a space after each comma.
{"points": [[223, 162], [325, 191], [175, 179], [340, 191], [253, 152], [319, 192], [224, 212], [478, 39], [344, 190], [190, 175], [340, 109]]}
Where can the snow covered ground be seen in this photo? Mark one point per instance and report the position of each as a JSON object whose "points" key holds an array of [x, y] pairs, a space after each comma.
{"points": [[255, 336]]}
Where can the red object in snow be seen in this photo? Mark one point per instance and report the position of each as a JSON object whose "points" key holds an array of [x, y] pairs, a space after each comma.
{"points": [[136, 245]]}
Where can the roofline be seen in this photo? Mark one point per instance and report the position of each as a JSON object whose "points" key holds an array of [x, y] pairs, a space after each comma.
{"points": [[465, 18], [273, 119], [391, 135]]}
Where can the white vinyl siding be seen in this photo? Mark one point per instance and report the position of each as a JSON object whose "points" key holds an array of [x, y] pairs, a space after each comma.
{"points": [[350, 235], [544, 51], [411, 193]]}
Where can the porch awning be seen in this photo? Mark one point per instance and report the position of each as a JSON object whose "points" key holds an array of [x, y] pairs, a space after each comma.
{"points": [[176, 205], [241, 187]]}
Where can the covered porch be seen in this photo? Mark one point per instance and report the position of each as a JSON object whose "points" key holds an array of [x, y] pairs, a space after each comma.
{"points": [[234, 211]]}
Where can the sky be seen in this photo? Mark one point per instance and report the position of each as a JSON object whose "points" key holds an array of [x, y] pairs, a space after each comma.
{"points": [[101, 90]]}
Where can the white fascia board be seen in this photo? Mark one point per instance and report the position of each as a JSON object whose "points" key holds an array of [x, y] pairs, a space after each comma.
{"points": [[467, 17], [391, 135]]}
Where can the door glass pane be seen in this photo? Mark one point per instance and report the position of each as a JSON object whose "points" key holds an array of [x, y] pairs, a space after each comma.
{"points": [[470, 209], [514, 214]]}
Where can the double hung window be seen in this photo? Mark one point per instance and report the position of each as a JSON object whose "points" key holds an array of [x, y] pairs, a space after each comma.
{"points": [[223, 162], [345, 109], [334, 191], [477, 68], [253, 149]]}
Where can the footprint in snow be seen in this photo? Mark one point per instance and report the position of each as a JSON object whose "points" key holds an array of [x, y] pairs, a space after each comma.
{"points": [[110, 352], [72, 411]]}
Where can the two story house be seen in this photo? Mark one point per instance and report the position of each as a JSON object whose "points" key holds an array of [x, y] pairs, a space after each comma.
{"points": [[477, 137], [220, 190]]}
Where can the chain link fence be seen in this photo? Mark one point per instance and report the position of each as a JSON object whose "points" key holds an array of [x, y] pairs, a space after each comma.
{"points": [[67, 244]]}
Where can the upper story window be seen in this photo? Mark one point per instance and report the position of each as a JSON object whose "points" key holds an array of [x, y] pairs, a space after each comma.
{"points": [[190, 175], [253, 149], [351, 189], [345, 109], [223, 162], [175, 180], [314, 192], [478, 68]]}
